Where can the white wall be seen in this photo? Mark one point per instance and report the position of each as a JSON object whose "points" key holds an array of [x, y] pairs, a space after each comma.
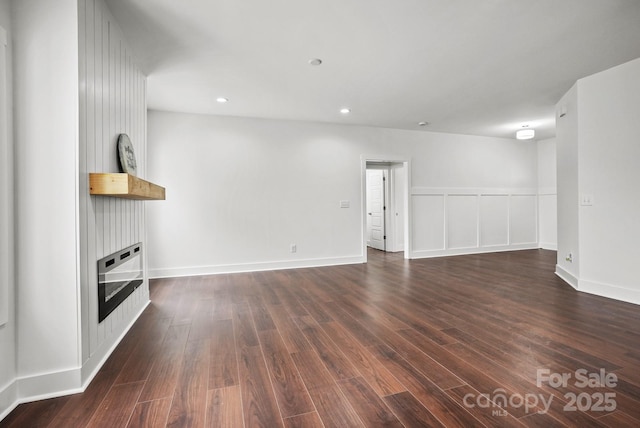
{"points": [[46, 175], [568, 268], [547, 195], [8, 369], [597, 159], [240, 191], [112, 101], [609, 150]]}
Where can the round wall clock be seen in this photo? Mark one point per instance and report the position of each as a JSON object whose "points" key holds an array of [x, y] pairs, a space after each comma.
{"points": [[127, 156]]}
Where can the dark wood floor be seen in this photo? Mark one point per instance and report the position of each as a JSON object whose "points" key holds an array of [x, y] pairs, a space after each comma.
{"points": [[389, 343]]}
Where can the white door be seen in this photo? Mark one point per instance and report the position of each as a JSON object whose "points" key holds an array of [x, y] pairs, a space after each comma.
{"points": [[375, 209]]}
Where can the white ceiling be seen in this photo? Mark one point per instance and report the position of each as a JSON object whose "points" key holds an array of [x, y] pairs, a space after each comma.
{"points": [[481, 67]]}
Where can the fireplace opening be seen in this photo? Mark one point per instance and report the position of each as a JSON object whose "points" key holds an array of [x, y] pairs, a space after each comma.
{"points": [[119, 274]]}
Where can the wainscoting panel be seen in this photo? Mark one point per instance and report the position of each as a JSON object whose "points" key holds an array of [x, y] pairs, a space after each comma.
{"points": [[428, 222], [494, 220], [548, 221], [451, 221], [523, 219], [112, 101], [462, 221]]}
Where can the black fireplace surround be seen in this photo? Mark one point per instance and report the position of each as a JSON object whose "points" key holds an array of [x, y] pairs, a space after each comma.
{"points": [[119, 274]]}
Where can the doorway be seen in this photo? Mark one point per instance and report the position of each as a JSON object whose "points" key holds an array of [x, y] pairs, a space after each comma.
{"points": [[376, 208], [386, 206]]}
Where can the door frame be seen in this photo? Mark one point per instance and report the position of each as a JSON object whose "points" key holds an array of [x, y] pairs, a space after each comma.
{"points": [[391, 159]]}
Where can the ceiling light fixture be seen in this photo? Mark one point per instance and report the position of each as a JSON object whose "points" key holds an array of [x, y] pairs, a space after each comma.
{"points": [[525, 133], [315, 61], [423, 123], [345, 110], [222, 100]]}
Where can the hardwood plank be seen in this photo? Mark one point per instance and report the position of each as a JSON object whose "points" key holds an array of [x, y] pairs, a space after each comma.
{"points": [[491, 416], [245, 333], [140, 361], [480, 379], [619, 419], [261, 317], [367, 404], [37, 414], [223, 366], [293, 337], [443, 407], [416, 355], [335, 361], [376, 375], [313, 372], [202, 320], [190, 398], [150, 414], [224, 407], [79, 408], [117, 407], [163, 377], [410, 411], [259, 402], [308, 420], [330, 403], [333, 407], [290, 391]]}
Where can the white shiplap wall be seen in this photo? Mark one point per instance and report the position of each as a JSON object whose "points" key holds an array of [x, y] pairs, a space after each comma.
{"points": [[112, 101]]}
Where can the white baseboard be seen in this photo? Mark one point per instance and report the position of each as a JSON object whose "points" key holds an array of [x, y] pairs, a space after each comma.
{"points": [[424, 254], [60, 383], [567, 276], [252, 267], [92, 366], [8, 399], [549, 246], [49, 385], [610, 291]]}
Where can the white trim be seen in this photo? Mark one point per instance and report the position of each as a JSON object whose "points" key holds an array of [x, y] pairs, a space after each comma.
{"points": [[92, 366], [253, 267], [481, 191], [547, 191], [391, 159], [425, 254], [567, 277], [6, 180], [549, 246], [610, 291], [8, 399], [49, 385], [57, 384]]}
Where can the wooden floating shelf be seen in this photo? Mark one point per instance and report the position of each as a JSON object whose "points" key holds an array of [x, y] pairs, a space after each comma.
{"points": [[122, 185]]}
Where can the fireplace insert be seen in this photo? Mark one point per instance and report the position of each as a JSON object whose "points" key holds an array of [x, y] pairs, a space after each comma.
{"points": [[119, 274]]}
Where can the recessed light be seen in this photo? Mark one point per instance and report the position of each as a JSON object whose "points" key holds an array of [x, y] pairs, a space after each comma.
{"points": [[423, 123], [222, 100], [315, 61], [345, 110]]}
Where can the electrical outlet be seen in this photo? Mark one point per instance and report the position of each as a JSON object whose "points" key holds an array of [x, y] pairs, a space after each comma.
{"points": [[293, 248], [586, 200]]}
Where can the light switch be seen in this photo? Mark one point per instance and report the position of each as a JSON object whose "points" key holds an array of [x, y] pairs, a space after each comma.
{"points": [[344, 204]]}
